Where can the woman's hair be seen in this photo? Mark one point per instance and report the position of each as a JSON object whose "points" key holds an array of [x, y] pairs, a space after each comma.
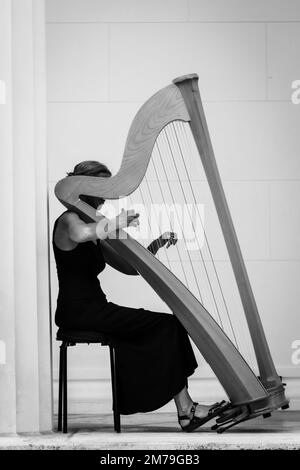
{"points": [[90, 168]]}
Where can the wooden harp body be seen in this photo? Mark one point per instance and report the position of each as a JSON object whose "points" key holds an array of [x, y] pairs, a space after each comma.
{"points": [[249, 395]]}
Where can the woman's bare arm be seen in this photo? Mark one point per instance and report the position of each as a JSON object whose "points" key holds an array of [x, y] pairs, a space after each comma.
{"points": [[119, 263], [76, 230], [167, 238], [71, 230]]}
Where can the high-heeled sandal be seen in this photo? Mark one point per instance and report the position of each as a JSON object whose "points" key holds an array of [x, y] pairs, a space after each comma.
{"points": [[195, 421]]}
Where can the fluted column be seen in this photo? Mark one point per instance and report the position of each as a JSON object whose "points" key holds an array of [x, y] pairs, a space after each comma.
{"points": [[25, 377]]}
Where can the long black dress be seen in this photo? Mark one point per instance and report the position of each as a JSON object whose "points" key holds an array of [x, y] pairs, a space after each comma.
{"points": [[153, 351]]}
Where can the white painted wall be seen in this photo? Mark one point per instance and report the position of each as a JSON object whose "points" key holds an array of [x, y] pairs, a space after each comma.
{"points": [[106, 57]]}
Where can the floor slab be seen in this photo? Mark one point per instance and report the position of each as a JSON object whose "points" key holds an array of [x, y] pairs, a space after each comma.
{"points": [[161, 431]]}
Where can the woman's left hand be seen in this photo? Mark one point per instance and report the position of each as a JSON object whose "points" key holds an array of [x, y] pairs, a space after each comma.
{"points": [[169, 238]]}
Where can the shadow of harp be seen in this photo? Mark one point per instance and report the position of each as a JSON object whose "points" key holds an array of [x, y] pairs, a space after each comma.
{"points": [[180, 104]]}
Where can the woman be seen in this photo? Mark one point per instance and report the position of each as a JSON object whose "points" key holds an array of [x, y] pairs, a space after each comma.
{"points": [[153, 352]]}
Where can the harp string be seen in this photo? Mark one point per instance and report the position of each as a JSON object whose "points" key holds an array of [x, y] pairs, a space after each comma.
{"points": [[164, 162], [161, 191], [172, 197], [169, 146], [168, 170], [156, 221], [240, 326], [133, 199], [148, 219], [169, 221], [181, 127]]}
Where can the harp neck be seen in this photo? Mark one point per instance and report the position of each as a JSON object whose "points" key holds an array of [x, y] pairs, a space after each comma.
{"points": [[164, 107]]}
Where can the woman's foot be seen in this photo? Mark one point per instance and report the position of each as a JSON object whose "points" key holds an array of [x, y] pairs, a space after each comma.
{"points": [[200, 412], [196, 415]]}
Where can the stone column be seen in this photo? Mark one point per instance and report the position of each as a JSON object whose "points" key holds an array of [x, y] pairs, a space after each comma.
{"points": [[25, 375]]}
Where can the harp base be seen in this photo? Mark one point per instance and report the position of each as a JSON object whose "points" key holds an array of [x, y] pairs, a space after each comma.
{"points": [[232, 415]]}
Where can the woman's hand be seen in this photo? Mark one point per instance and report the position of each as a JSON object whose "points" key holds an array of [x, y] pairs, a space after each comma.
{"points": [[127, 219], [105, 227], [168, 238]]}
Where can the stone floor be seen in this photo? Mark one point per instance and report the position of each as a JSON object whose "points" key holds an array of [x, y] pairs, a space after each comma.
{"points": [[160, 431]]}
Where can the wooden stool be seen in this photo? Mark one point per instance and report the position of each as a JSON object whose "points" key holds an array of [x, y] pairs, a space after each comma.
{"points": [[71, 338]]}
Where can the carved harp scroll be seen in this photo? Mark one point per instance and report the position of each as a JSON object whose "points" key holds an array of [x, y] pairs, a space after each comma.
{"points": [[181, 101]]}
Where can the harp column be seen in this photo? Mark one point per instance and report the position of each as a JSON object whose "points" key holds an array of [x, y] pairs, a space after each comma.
{"points": [[25, 367]]}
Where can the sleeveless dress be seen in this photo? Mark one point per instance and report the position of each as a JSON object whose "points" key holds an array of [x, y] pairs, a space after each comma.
{"points": [[154, 355]]}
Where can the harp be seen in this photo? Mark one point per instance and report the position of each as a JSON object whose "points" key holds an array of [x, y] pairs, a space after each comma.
{"points": [[178, 107]]}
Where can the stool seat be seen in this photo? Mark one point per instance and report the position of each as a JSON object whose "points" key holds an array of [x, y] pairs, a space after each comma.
{"points": [[82, 336]]}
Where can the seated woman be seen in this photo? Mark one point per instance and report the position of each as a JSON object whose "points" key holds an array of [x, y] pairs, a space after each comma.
{"points": [[153, 351]]}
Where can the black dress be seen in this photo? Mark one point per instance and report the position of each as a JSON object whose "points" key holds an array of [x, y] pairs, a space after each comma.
{"points": [[153, 351]]}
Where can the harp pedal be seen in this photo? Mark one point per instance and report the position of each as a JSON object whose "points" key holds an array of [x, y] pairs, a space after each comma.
{"points": [[244, 416], [231, 418], [221, 409], [285, 407], [228, 415]]}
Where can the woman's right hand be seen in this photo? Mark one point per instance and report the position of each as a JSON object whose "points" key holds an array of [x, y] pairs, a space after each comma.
{"points": [[127, 219]]}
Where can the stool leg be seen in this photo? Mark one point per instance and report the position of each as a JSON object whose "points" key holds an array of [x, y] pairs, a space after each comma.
{"points": [[60, 388], [117, 423], [65, 392]]}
